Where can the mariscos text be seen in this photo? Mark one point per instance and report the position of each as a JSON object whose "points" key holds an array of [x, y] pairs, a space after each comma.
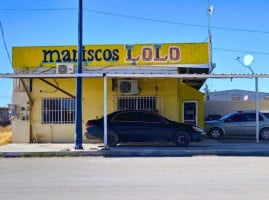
{"points": [[130, 54]]}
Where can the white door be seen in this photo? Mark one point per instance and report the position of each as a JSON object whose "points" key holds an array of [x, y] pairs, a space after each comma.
{"points": [[190, 114]]}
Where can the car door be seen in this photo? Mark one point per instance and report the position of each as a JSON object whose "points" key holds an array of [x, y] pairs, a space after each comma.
{"points": [[155, 127], [234, 125], [128, 127], [250, 125]]}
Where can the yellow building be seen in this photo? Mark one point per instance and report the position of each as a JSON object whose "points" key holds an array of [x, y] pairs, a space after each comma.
{"points": [[138, 77]]}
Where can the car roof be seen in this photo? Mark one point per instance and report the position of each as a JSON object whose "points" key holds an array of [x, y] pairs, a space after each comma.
{"points": [[144, 111], [245, 111], [124, 111]]}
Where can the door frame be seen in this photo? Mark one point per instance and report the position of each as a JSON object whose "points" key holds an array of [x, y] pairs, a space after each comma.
{"points": [[196, 111]]}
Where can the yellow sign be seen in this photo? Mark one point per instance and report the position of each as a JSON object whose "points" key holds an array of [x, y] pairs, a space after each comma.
{"points": [[112, 55]]}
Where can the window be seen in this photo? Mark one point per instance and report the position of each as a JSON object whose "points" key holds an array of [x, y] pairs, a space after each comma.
{"points": [[235, 98], [58, 111], [147, 117], [252, 117], [137, 103], [237, 118], [134, 116], [128, 116]]}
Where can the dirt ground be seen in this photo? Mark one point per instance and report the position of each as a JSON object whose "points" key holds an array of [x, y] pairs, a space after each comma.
{"points": [[5, 135]]}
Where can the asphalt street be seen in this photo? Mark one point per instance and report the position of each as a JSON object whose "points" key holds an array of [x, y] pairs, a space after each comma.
{"points": [[135, 178]]}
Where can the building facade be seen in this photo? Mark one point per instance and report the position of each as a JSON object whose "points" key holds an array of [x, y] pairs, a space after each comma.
{"points": [[224, 102], [242, 95], [43, 108]]}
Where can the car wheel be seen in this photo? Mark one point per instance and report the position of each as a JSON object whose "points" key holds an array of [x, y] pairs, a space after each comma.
{"points": [[215, 133], [113, 139], [182, 138], [264, 134]]}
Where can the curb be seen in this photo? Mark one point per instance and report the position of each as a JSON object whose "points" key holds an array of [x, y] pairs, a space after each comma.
{"points": [[133, 153]]}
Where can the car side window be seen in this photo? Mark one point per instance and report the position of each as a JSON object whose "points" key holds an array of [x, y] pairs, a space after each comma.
{"points": [[236, 118], [252, 117], [123, 117], [138, 117], [147, 117]]}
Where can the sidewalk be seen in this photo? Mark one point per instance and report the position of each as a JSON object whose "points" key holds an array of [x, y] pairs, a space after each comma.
{"points": [[207, 147]]}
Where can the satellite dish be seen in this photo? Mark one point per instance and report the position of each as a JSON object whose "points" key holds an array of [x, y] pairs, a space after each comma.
{"points": [[248, 60]]}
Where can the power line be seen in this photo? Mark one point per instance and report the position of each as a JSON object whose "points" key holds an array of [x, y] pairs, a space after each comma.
{"points": [[144, 19], [177, 23], [241, 51], [5, 44], [138, 18]]}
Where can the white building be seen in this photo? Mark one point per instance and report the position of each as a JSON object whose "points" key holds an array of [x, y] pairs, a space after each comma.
{"points": [[227, 95], [223, 102]]}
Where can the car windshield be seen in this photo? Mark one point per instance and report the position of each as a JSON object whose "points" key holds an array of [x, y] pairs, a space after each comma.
{"points": [[226, 116]]}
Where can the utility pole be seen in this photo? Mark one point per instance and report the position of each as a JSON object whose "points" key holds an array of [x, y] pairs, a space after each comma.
{"points": [[78, 116]]}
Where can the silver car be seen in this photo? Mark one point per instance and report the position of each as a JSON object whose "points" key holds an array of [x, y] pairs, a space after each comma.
{"points": [[239, 124]]}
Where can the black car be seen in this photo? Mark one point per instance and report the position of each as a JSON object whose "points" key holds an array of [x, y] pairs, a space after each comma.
{"points": [[142, 126]]}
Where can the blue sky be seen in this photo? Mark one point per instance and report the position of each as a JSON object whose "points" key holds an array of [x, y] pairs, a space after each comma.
{"points": [[238, 27]]}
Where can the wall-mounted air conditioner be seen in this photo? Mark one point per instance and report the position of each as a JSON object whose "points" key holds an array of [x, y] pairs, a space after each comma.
{"points": [[128, 87], [64, 68]]}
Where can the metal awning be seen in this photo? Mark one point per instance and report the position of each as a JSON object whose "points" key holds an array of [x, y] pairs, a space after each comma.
{"points": [[199, 73], [129, 72]]}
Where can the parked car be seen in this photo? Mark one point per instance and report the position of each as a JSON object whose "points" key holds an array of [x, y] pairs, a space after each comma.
{"points": [[238, 124], [265, 112], [143, 126]]}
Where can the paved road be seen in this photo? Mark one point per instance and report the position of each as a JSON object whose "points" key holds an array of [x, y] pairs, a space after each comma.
{"points": [[91, 178]]}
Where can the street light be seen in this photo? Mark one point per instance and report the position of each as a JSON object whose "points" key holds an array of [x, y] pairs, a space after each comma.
{"points": [[247, 62]]}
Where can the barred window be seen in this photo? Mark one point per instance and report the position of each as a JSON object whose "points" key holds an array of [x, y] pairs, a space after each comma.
{"points": [[235, 98], [137, 103], [58, 111]]}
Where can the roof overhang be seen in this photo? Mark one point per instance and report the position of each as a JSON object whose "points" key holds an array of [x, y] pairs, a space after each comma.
{"points": [[194, 79]]}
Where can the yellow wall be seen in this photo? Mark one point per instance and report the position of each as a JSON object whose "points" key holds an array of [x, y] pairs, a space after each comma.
{"points": [[171, 91], [188, 93], [49, 132]]}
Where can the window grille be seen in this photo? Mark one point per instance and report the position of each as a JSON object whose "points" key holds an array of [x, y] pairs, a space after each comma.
{"points": [[149, 103], [235, 98], [58, 110]]}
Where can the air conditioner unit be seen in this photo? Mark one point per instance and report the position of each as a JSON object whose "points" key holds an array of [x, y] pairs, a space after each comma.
{"points": [[64, 68], [128, 87]]}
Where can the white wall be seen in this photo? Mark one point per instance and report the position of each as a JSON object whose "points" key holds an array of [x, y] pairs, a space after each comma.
{"points": [[224, 107]]}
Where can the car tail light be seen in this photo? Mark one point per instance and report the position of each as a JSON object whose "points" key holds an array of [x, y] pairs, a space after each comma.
{"points": [[90, 125]]}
